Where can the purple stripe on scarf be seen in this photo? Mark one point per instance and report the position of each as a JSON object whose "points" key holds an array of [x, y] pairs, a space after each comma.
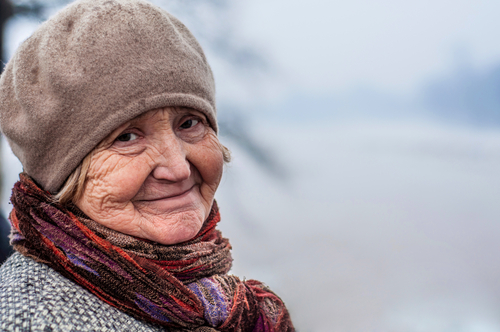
{"points": [[78, 262], [69, 244], [16, 237], [216, 312], [151, 308]]}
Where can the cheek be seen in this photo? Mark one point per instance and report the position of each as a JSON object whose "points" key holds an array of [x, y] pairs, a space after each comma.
{"points": [[114, 178], [207, 157]]}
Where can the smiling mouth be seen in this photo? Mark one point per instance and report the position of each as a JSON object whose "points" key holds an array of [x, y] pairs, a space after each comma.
{"points": [[179, 195]]}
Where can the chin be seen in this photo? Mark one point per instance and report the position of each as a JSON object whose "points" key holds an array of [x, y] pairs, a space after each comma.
{"points": [[185, 227]]}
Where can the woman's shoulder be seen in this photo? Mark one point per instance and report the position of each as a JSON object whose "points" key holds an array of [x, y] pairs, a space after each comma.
{"points": [[34, 297], [19, 283]]}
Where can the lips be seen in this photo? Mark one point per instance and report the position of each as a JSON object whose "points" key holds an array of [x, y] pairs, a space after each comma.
{"points": [[179, 194]]}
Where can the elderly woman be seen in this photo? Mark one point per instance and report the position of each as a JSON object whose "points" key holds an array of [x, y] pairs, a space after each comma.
{"points": [[110, 108]]}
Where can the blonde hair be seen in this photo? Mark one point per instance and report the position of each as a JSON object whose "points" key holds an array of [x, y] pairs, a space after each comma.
{"points": [[73, 188]]}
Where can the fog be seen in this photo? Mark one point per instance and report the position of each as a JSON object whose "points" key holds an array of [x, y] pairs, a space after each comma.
{"points": [[383, 227]]}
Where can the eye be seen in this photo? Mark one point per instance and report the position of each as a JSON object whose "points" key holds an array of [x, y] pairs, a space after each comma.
{"points": [[127, 137], [189, 123]]}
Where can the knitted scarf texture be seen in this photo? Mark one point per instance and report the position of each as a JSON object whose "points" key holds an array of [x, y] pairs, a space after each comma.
{"points": [[184, 286]]}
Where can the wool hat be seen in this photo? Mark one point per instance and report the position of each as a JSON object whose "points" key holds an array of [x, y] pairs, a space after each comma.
{"points": [[92, 67]]}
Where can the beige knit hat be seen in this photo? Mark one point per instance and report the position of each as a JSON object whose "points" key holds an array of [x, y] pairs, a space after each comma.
{"points": [[92, 67]]}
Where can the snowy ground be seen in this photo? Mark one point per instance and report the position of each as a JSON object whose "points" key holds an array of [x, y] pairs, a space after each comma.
{"points": [[379, 226]]}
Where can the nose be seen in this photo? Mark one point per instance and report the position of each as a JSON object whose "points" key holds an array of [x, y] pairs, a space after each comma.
{"points": [[172, 165]]}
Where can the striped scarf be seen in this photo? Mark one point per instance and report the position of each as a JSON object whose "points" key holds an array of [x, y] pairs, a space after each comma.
{"points": [[183, 286]]}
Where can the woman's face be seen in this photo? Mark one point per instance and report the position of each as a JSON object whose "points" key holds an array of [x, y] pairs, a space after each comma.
{"points": [[155, 177]]}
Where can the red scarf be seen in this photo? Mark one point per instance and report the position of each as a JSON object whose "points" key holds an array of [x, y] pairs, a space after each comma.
{"points": [[183, 286]]}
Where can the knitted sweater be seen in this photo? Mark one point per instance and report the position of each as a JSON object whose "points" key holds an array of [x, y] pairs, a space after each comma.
{"points": [[34, 297]]}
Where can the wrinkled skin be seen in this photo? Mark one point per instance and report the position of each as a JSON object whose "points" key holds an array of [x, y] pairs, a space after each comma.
{"points": [[155, 177]]}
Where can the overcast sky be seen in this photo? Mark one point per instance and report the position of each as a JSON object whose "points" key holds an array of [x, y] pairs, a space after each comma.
{"points": [[393, 45]]}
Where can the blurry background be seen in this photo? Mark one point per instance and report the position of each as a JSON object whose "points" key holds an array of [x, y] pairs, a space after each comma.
{"points": [[365, 182]]}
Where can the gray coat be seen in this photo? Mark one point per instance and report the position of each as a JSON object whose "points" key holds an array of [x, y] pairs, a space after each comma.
{"points": [[34, 297]]}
